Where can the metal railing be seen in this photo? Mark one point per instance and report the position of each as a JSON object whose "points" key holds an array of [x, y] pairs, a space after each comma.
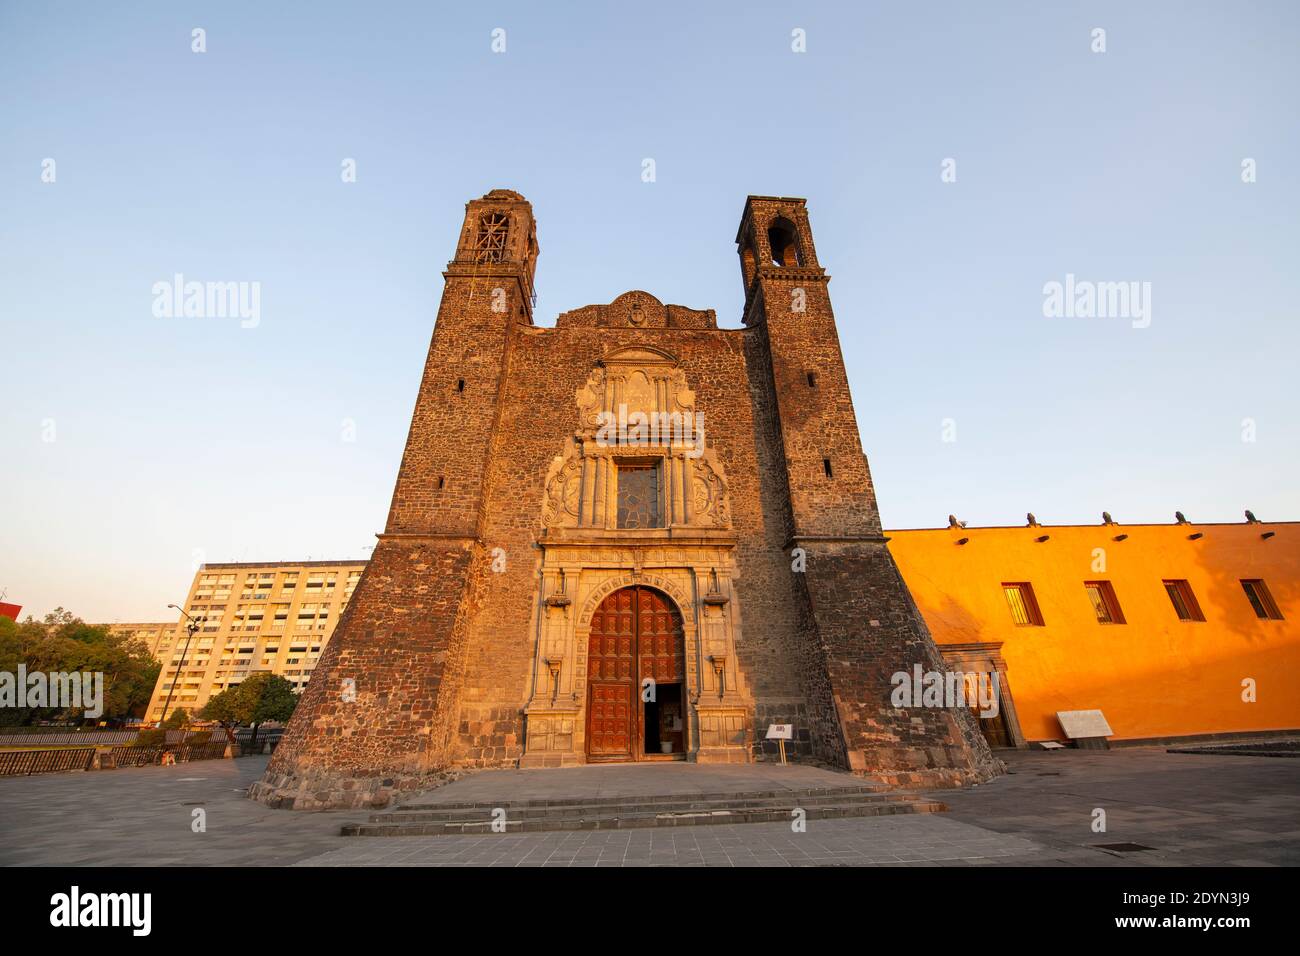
{"points": [[25, 762], [62, 737], [36, 737], [184, 753]]}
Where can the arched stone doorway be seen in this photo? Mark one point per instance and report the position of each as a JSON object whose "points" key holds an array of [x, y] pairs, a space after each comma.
{"points": [[636, 678]]}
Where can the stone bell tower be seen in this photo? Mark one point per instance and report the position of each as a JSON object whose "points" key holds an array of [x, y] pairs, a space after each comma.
{"points": [[380, 710], [860, 623]]}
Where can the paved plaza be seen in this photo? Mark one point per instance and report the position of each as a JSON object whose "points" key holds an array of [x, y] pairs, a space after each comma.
{"points": [[1181, 809]]}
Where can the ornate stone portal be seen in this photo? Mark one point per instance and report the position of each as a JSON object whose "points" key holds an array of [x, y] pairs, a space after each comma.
{"points": [[636, 413]]}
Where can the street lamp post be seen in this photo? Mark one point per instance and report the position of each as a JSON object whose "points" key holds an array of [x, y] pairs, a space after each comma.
{"points": [[191, 627]]}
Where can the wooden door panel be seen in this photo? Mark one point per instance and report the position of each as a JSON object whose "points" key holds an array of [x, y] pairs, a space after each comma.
{"points": [[660, 639], [635, 633], [609, 720]]}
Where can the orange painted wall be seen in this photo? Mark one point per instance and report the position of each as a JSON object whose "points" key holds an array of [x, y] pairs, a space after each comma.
{"points": [[1154, 676]]}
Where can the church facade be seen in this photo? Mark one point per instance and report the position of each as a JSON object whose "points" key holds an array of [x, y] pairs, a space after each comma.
{"points": [[633, 536]]}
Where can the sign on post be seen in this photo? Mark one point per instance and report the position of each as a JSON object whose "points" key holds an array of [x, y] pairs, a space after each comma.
{"points": [[780, 733]]}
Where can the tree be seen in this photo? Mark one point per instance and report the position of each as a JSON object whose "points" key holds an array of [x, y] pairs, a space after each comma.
{"points": [[261, 697], [62, 642], [224, 708], [177, 719]]}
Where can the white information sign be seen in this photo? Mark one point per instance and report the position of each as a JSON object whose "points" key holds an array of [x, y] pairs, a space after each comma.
{"points": [[1083, 723]]}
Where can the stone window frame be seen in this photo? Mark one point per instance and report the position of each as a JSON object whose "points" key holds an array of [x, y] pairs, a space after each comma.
{"points": [[985, 657], [639, 458]]}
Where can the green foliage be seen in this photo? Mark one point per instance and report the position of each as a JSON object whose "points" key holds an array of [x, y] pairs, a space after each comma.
{"points": [[260, 697], [224, 708], [177, 719], [275, 698], [64, 642], [151, 738]]}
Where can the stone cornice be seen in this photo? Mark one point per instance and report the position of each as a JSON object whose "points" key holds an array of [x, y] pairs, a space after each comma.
{"points": [[796, 539], [417, 536], [791, 273], [493, 270], [804, 273], [641, 540]]}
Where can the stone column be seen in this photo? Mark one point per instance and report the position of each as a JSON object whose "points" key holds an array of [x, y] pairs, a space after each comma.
{"points": [[688, 489], [600, 487], [588, 488], [611, 494]]}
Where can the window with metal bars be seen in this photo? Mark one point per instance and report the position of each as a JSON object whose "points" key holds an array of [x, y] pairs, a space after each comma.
{"points": [[1024, 608], [1184, 601], [1104, 603], [638, 496], [1260, 599]]}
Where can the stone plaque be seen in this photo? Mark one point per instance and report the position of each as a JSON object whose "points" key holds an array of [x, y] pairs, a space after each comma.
{"points": [[1083, 723]]}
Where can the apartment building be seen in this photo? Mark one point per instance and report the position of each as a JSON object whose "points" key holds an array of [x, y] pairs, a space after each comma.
{"points": [[275, 616], [158, 636]]}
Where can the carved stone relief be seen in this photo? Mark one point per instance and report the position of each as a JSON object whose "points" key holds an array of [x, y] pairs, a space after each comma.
{"points": [[636, 404]]}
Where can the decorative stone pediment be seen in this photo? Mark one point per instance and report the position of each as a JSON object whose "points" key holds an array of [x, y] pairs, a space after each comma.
{"points": [[638, 310], [639, 355]]}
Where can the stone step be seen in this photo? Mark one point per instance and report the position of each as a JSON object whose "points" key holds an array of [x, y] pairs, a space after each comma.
{"points": [[418, 805], [576, 808], [612, 818]]}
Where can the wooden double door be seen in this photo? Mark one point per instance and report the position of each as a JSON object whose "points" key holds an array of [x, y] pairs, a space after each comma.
{"points": [[636, 636]]}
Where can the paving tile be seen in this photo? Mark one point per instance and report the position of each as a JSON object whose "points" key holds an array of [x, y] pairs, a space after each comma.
{"points": [[1193, 809]]}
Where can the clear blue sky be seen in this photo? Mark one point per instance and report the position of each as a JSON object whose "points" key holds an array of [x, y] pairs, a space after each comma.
{"points": [[182, 437]]}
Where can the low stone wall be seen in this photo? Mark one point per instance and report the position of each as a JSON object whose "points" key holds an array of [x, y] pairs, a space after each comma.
{"points": [[329, 791]]}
